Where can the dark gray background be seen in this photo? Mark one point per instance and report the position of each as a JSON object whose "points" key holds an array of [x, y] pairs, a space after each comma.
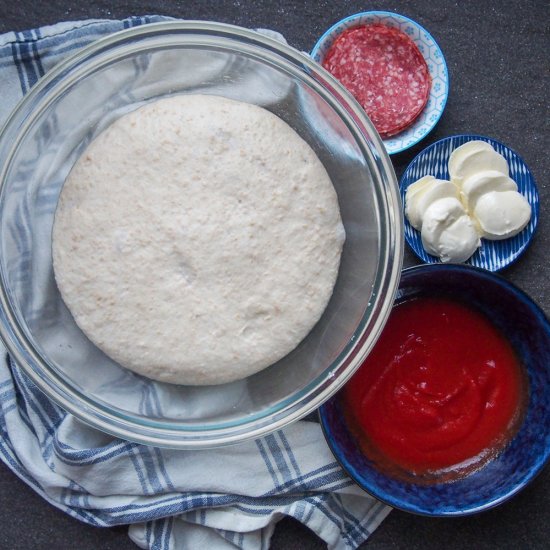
{"points": [[498, 57]]}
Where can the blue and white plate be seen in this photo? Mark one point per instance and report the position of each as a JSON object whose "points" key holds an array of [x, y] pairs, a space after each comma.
{"points": [[432, 54], [491, 255]]}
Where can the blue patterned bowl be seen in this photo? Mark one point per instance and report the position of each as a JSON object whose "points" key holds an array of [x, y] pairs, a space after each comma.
{"points": [[491, 255], [528, 330], [431, 52]]}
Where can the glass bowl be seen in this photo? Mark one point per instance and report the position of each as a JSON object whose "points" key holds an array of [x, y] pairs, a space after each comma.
{"points": [[69, 107]]}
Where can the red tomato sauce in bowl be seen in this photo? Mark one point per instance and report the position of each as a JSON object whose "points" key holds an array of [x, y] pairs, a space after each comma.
{"points": [[442, 390]]}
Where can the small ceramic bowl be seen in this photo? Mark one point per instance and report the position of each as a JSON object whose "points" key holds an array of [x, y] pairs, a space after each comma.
{"points": [[491, 255], [437, 67], [526, 327]]}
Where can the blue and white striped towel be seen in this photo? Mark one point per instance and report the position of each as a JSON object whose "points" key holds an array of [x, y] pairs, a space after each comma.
{"points": [[223, 498]]}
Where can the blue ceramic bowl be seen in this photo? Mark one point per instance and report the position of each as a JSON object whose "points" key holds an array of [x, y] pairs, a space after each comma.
{"points": [[491, 255], [433, 55], [528, 330]]}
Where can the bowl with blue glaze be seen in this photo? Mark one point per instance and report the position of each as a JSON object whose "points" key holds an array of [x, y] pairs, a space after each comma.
{"points": [[434, 161], [431, 52], [527, 329]]}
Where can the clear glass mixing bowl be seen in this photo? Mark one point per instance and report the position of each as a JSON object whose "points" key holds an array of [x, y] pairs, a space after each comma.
{"points": [[73, 103]]}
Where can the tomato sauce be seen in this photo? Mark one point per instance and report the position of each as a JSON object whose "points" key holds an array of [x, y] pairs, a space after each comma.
{"points": [[442, 390]]}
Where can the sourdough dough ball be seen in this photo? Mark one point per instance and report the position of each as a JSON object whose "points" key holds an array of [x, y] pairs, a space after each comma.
{"points": [[197, 240]]}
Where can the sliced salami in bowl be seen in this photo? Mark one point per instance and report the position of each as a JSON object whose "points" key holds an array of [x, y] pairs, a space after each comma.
{"points": [[394, 68], [385, 71]]}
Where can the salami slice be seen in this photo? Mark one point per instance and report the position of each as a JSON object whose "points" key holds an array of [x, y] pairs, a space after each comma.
{"points": [[385, 71]]}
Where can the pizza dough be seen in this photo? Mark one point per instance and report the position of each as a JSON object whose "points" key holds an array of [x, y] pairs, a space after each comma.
{"points": [[197, 240]]}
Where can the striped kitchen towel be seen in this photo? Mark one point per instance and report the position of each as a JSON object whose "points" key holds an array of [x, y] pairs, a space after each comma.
{"points": [[223, 498]]}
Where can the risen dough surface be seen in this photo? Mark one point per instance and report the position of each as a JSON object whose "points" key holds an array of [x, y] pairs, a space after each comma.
{"points": [[197, 240]]}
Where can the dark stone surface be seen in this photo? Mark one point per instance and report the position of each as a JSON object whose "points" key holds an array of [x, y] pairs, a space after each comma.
{"points": [[497, 53]]}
